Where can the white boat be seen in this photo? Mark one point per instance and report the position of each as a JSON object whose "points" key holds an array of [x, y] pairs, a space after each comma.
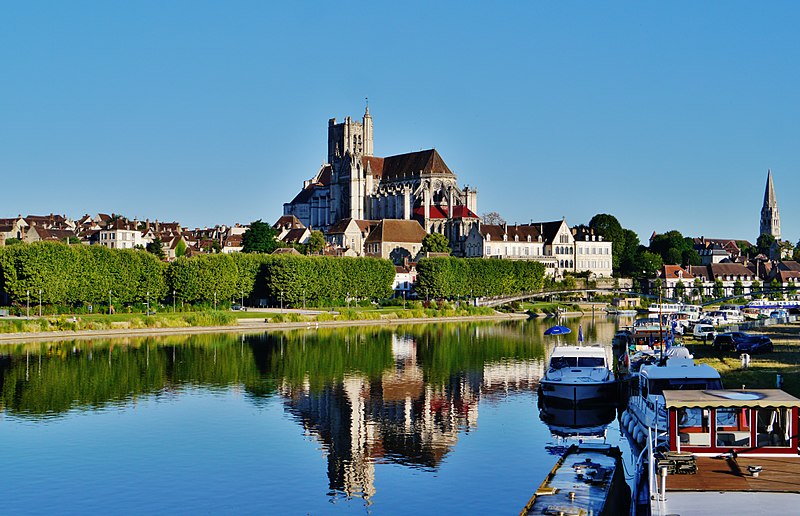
{"points": [[773, 304], [578, 375], [675, 370]]}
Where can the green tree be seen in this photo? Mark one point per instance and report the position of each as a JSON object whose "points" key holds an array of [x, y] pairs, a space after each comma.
{"points": [[259, 238], [775, 289], [156, 247], [649, 264], [719, 290], [755, 286], [738, 288], [629, 253], [680, 290], [435, 243], [316, 242], [608, 227], [180, 248], [670, 246], [690, 257], [697, 288], [764, 242]]}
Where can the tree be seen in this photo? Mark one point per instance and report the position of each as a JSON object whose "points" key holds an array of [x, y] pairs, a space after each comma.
{"points": [[697, 288], [156, 247], [738, 288], [755, 286], [719, 290], [764, 242], [670, 246], [316, 242], [650, 263], [492, 217], [796, 252], [628, 254], [690, 257], [680, 290], [775, 289], [435, 243], [180, 248], [608, 227], [259, 238]]}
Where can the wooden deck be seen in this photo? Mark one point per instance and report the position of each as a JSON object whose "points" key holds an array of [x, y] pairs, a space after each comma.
{"points": [[780, 474]]}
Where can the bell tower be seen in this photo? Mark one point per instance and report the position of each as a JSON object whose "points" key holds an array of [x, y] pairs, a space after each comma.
{"points": [[770, 218]]}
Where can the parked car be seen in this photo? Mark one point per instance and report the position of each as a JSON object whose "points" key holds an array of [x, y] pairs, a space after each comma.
{"points": [[742, 342], [704, 331]]}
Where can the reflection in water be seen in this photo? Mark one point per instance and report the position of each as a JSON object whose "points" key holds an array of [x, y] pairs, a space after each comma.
{"points": [[574, 421], [369, 395]]}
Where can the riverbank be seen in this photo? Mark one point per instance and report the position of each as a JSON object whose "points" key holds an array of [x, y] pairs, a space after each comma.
{"points": [[764, 368], [243, 326]]}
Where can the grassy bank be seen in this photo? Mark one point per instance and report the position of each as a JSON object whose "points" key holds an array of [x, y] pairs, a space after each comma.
{"points": [[391, 313], [117, 322], [784, 360]]}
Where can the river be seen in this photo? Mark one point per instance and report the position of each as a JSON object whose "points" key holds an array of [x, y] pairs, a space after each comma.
{"points": [[417, 419]]}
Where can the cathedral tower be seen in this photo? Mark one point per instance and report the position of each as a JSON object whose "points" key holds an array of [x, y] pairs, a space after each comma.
{"points": [[770, 219], [350, 136]]}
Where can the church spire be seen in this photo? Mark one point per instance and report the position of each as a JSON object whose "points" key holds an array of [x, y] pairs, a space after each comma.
{"points": [[770, 218], [769, 192]]}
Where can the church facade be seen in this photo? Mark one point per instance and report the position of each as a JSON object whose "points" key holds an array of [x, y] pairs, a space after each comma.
{"points": [[355, 184]]}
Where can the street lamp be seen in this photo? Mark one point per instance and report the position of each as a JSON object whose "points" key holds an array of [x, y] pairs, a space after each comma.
{"points": [[281, 301], [28, 294], [173, 301], [109, 302], [40, 302], [148, 302]]}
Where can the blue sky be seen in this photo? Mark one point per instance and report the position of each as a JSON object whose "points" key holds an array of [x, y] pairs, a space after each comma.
{"points": [[667, 115]]}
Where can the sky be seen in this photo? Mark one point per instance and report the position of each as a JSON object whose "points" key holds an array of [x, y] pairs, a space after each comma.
{"points": [[665, 114]]}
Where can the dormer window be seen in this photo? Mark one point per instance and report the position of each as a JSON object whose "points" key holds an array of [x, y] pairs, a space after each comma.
{"points": [[505, 238], [516, 238], [529, 238]]}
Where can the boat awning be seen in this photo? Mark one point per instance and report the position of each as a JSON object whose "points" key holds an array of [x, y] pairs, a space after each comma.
{"points": [[730, 398]]}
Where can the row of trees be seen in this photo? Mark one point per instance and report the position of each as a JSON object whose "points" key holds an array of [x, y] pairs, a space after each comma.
{"points": [[73, 275], [461, 277]]}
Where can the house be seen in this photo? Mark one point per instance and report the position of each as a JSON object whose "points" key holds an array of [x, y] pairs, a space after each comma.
{"points": [[13, 228], [296, 236], [232, 244], [558, 247], [285, 224], [395, 239], [349, 235], [673, 275], [38, 233], [405, 277]]}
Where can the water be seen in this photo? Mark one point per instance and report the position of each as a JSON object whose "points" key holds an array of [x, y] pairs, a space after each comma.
{"points": [[415, 420]]}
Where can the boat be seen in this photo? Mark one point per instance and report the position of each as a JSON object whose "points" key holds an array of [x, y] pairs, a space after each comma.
{"points": [[578, 375], [576, 422], [674, 369], [618, 312], [587, 479], [726, 450], [770, 304]]}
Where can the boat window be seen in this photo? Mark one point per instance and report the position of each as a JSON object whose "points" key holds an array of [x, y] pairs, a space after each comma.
{"points": [[693, 427], [562, 362], [684, 384], [733, 427], [773, 427], [591, 362]]}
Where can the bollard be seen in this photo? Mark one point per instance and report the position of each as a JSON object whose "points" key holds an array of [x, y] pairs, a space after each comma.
{"points": [[779, 381], [663, 471], [745, 360]]}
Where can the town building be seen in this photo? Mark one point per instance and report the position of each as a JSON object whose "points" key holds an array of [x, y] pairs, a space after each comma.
{"points": [[560, 248], [395, 239]]}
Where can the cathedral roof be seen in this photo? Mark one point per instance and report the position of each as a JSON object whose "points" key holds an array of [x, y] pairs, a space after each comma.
{"points": [[441, 212], [374, 164], [414, 164]]}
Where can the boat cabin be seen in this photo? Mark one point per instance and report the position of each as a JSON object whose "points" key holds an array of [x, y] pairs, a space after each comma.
{"points": [[751, 422]]}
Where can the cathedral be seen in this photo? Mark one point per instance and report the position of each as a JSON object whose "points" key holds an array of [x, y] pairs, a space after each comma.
{"points": [[770, 218], [355, 184]]}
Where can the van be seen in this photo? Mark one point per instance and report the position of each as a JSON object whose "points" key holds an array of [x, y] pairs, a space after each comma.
{"points": [[704, 331]]}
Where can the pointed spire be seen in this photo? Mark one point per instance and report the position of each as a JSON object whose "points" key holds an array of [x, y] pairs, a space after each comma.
{"points": [[769, 192], [366, 111]]}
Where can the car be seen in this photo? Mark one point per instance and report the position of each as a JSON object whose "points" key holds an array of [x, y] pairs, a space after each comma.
{"points": [[742, 342], [704, 331], [236, 306]]}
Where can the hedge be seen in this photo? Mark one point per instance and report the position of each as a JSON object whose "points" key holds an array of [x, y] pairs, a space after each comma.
{"points": [[449, 277]]}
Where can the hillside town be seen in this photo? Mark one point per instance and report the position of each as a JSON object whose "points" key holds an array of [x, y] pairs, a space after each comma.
{"points": [[365, 205]]}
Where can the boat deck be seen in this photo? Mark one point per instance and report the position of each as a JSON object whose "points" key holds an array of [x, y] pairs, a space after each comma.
{"points": [[779, 474]]}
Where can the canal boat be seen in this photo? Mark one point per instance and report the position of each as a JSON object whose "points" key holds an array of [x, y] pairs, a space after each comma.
{"points": [[773, 304], [726, 451], [578, 375], [587, 479], [674, 369]]}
